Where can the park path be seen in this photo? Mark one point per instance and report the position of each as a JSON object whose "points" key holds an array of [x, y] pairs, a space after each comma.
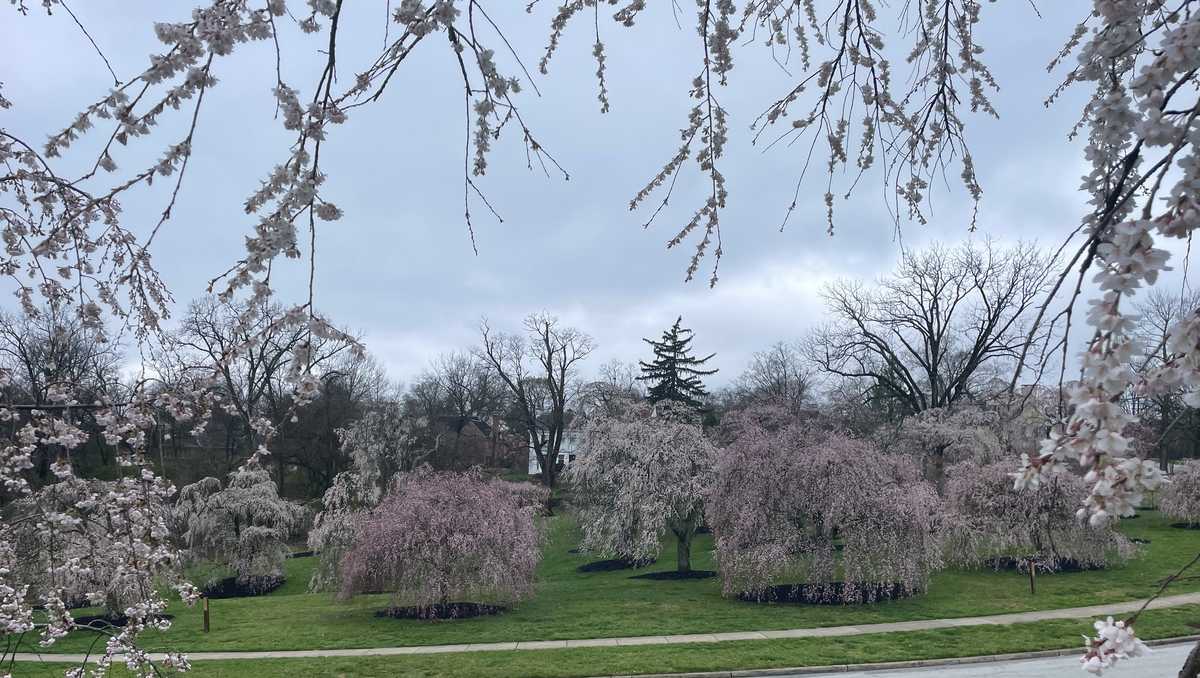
{"points": [[819, 632]]}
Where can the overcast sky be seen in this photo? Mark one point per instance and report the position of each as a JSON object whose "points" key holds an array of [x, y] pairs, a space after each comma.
{"points": [[399, 267]]}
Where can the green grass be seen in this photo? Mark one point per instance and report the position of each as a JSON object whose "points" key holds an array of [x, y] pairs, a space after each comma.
{"points": [[576, 663], [570, 604]]}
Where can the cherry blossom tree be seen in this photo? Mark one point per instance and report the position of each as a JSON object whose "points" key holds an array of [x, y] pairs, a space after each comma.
{"points": [[439, 538], [109, 572], [783, 499], [67, 244], [244, 525], [940, 437], [988, 518], [1180, 499], [382, 444], [638, 474]]}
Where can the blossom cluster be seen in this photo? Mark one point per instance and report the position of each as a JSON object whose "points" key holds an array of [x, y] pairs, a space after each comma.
{"points": [[1113, 641]]}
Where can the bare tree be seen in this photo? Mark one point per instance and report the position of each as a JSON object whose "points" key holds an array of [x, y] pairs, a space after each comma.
{"points": [[617, 386], [351, 387], [539, 369], [48, 355], [471, 393], [250, 348], [777, 376], [52, 351], [934, 332]]}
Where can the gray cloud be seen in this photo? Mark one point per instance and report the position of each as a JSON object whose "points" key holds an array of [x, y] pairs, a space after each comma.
{"points": [[400, 268]]}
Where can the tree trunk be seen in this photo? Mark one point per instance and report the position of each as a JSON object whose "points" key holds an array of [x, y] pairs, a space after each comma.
{"points": [[548, 473], [683, 552], [937, 470], [1191, 667]]}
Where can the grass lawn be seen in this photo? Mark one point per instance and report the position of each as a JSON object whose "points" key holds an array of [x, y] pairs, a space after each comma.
{"points": [[570, 604], [627, 660]]}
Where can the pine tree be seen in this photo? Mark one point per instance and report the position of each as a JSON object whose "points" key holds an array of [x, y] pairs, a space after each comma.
{"points": [[675, 373]]}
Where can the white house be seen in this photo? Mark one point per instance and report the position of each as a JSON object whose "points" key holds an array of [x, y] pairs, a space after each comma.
{"points": [[566, 453]]}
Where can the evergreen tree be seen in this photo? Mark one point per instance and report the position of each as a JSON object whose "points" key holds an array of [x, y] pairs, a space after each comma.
{"points": [[674, 373]]}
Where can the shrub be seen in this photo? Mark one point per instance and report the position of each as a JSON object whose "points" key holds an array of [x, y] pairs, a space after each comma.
{"points": [[785, 500], [987, 518], [1180, 499], [439, 538], [245, 525], [639, 474]]}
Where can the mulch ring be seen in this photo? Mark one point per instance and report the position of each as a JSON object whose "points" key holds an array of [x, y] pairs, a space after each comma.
{"points": [[830, 593], [99, 621], [614, 564], [232, 587], [1186, 526], [1009, 563], [441, 611], [673, 575]]}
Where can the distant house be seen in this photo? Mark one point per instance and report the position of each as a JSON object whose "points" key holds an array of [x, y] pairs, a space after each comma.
{"points": [[566, 453]]}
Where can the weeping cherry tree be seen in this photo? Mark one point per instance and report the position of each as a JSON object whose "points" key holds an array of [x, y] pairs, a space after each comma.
{"points": [[638, 475], [381, 444], [439, 541], [784, 501], [244, 525], [987, 518], [1180, 499]]}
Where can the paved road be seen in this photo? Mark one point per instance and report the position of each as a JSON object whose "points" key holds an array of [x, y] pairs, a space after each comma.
{"points": [[1164, 662]]}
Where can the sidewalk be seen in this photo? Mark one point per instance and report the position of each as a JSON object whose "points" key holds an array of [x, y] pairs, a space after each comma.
{"points": [[820, 632]]}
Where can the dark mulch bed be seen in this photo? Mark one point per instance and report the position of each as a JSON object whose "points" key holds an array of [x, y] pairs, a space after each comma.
{"points": [[676, 575], [1019, 564], [704, 529], [302, 554], [614, 564], [1186, 526], [442, 611], [831, 593], [99, 621], [231, 587]]}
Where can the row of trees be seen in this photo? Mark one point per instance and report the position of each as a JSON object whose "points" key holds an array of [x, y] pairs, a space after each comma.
{"points": [[793, 506], [792, 503], [943, 329]]}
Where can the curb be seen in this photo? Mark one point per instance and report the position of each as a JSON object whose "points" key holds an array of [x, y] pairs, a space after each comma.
{"points": [[889, 666]]}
